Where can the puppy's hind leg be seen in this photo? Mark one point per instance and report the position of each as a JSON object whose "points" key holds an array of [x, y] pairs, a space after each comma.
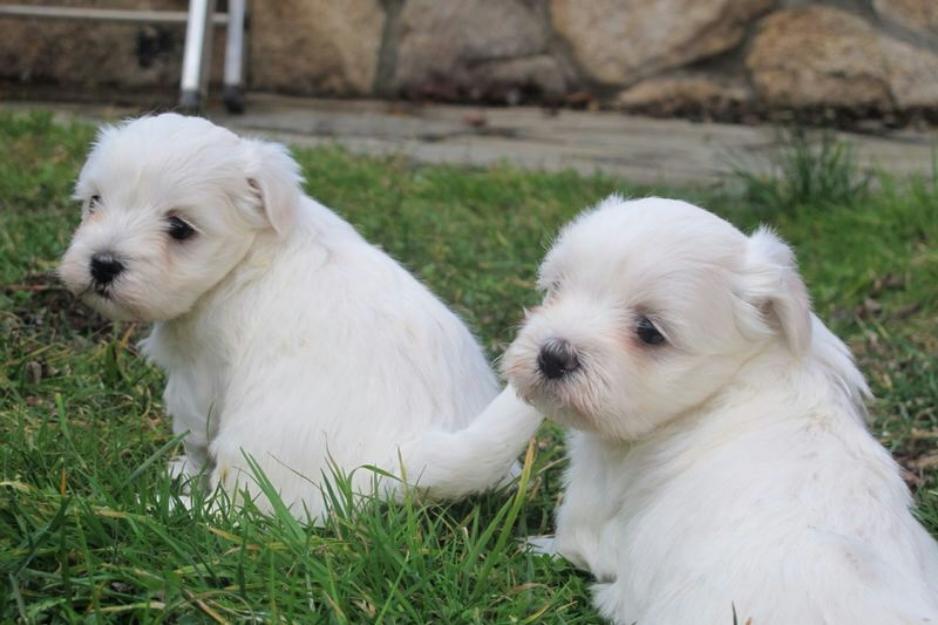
{"points": [[451, 465]]}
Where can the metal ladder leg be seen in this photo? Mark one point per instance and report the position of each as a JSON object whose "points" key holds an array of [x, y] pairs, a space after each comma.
{"points": [[233, 95], [197, 55]]}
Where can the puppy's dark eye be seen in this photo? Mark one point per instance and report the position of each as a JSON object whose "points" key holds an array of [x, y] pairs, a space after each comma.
{"points": [[179, 229], [648, 333], [93, 203]]}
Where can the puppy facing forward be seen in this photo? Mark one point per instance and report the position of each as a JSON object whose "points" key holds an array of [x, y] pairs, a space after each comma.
{"points": [[719, 458], [284, 335]]}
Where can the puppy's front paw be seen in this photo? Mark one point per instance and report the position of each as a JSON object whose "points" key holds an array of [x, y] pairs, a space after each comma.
{"points": [[176, 467], [186, 474], [181, 468], [545, 545], [181, 501]]}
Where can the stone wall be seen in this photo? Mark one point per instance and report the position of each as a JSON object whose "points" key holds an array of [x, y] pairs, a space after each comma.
{"points": [[715, 57]]}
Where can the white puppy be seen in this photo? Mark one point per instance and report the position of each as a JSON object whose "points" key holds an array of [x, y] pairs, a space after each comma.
{"points": [[719, 457], [284, 335]]}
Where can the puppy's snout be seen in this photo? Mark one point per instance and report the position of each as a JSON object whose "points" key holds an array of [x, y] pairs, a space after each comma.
{"points": [[556, 359], [104, 268]]}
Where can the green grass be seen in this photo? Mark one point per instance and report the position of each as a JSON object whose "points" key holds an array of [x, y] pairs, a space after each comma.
{"points": [[808, 170], [88, 526]]}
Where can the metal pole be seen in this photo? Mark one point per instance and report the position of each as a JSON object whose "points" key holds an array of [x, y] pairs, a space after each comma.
{"points": [[234, 57], [197, 55]]}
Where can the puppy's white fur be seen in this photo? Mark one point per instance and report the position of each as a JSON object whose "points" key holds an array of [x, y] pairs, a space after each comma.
{"points": [[284, 334], [730, 465]]}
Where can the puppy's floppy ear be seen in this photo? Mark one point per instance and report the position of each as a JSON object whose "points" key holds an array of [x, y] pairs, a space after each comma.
{"points": [[275, 178], [772, 288]]}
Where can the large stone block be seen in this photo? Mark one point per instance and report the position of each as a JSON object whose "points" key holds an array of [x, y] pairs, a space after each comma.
{"points": [[917, 15], [682, 94], [88, 54], [913, 76], [477, 49], [316, 46], [821, 56], [620, 41]]}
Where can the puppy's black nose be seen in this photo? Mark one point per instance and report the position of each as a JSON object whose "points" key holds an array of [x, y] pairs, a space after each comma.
{"points": [[557, 359], [104, 268]]}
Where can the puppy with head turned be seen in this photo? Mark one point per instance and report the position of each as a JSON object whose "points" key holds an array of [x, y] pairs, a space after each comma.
{"points": [[719, 457], [284, 335]]}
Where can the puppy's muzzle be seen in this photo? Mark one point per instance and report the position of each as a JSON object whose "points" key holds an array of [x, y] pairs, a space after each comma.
{"points": [[104, 269], [557, 359]]}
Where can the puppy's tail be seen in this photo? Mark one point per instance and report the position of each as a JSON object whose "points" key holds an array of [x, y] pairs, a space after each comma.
{"points": [[451, 465]]}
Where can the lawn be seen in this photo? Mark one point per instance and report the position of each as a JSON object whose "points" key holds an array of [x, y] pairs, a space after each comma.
{"points": [[88, 526]]}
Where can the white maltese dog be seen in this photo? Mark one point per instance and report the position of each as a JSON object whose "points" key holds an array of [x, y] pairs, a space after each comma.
{"points": [[719, 458], [285, 336]]}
